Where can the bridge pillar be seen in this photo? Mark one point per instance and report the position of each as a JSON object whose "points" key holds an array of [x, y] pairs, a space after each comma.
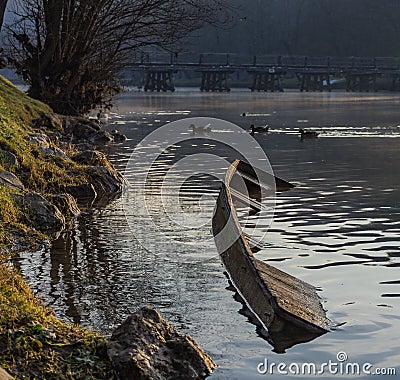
{"points": [[266, 80], [361, 81], [395, 81], [159, 81], [215, 80], [314, 81]]}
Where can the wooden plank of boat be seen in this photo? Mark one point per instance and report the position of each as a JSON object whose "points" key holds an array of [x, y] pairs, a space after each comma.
{"points": [[274, 297], [245, 200], [255, 177], [256, 184]]}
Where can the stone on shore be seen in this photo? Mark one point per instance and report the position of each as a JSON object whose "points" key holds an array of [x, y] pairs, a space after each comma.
{"points": [[118, 137], [49, 121], [83, 146], [101, 138], [43, 143], [80, 128], [55, 151], [92, 158], [83, 193], [40, 140], [9, 158], [106, 180], [10, 180], [45, 216], [146, 347], [66, 203]]}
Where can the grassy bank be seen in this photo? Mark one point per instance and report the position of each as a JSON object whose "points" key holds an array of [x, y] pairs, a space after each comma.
{"points": [[34, 344], [38, 171]]}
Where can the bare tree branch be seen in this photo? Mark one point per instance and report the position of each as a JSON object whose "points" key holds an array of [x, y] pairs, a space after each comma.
{"points": [[69, 51]]}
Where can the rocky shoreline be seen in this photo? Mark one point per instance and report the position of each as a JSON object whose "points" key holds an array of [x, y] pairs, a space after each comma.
{"points": [[47, 173], [51, 213]]}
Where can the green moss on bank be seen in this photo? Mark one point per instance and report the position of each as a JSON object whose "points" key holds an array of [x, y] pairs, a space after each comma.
{"points": [[38, 171], [34, 344]]}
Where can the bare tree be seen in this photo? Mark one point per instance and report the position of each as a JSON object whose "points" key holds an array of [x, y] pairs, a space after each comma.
{"points": [[69, 51], [3, 6]]}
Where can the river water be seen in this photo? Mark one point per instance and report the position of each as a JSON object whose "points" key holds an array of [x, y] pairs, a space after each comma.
{"points": [[339, 230]]}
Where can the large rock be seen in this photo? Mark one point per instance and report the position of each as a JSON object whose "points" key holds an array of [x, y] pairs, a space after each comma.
{"points": [[54, 151], [80, 128], [40, 140], [49, 121], [10, 181], [83, 193], [118, 136], [44, 144], [4, 375], [101, 138], [44, 214], [106, 180], [83, 146], [9, 158], [66, 203], [92, 158], [146, 347]]}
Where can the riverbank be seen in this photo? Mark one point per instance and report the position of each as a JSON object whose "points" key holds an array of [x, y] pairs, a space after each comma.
{"points": [[33, 342], [50, 168]]}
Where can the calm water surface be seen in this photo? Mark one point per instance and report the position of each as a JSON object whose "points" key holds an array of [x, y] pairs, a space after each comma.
{"points": [[339, 230]]}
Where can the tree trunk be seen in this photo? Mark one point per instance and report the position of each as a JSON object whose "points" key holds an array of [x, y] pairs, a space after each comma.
{"points": [[3, 6]]}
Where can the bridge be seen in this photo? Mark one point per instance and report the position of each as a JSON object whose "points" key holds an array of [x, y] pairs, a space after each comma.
{"points": [[267, 72]]}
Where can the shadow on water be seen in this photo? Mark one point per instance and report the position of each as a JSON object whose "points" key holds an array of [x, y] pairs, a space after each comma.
{"points": [[282, 334]]}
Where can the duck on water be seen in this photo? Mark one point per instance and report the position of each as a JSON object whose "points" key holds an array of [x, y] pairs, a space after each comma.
{"points": [[200, 130], [308, 134], [254, 129]]}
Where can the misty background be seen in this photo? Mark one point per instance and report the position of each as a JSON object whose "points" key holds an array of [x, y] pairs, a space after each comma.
{"points": [[369, 28]]}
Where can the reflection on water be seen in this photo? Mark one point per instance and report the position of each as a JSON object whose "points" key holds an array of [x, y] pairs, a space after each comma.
{"points": [[339, 229]]}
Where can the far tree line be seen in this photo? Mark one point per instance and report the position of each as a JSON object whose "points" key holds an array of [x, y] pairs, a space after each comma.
{"points": [[69, 52], [364, 28]]}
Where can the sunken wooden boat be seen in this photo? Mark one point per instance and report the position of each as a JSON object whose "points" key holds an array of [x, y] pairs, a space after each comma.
{"points": [[287, 310]]}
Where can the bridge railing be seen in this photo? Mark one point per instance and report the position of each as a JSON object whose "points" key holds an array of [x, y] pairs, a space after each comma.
{"points": [[244, 61], [387, 63], [151, 58], [267, 60]]}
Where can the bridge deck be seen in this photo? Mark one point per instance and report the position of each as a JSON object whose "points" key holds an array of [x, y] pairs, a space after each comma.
{"points": [[314, 73]]}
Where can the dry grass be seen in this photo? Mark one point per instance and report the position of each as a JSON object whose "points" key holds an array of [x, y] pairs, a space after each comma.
{"points": [[35, 344]]}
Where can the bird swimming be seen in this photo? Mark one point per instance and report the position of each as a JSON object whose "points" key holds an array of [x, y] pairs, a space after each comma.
{"points": [[308, 134], [254, 129], [200, 130]]}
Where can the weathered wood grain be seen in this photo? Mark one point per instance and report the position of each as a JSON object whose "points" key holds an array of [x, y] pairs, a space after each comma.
{"points": [[276, 298]]}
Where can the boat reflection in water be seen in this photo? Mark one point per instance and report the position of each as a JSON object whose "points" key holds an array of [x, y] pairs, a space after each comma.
{"points": [[286, 310]]}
